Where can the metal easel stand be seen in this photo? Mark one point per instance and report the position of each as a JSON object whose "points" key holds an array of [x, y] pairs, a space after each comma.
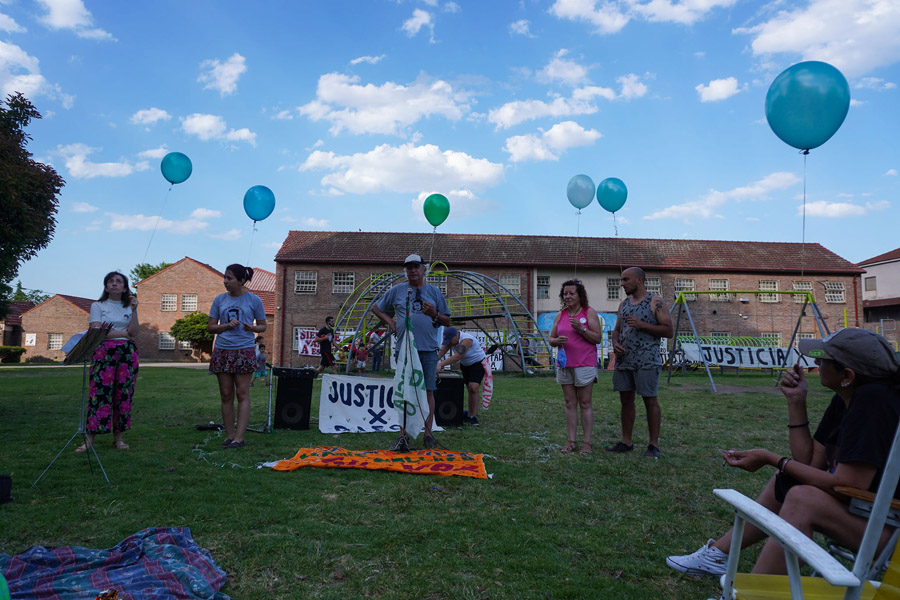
{"points": [[81, 431]]}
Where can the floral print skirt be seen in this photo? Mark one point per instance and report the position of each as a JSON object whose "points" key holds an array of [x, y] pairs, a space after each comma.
{"points": [[114, 370], [233, 361]]}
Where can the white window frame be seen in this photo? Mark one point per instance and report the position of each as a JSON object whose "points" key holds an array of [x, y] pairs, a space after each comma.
{"points": [[803, 336], [512, 282], [543, 287], [168, 302], [306, 282], [653, 285], [54, 341], [185, 345], [725, 335], [835, 292], [718, 285], [768, 285], [469, 289], [801, 286], [613, 285], [165, 341], [683, 284], [186, 302], [772, 335], [438, 281], [343, 282], [295, 339]]}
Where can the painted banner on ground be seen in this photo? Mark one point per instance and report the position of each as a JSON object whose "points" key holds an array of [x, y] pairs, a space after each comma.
{"points": [[422, 462], [745, 356]]}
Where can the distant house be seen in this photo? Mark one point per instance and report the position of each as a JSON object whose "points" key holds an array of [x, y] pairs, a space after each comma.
{"points": [[881, 293], [11, 326], [47, 326], [178, 290]]}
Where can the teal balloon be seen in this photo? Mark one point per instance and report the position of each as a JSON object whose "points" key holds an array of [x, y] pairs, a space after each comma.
{"points": [[259, 202], [611, 194], [176, 167], [437, 209], [580, 191], [807, 103]]}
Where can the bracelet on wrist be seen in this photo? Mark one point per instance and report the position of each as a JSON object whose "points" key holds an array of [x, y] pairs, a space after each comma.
{"points": [[798, 425]]}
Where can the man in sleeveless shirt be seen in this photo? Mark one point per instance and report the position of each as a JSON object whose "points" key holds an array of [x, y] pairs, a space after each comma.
{"points": [[643, 320]]}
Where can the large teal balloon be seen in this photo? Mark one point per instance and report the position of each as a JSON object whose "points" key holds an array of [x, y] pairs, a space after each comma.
{"points": [[176, 167], [580, 191], [807, 103], [611, 194], [437, 209], [259, 202]]}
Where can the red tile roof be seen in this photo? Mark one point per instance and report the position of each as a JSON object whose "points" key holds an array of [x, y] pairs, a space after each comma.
{"points": [[263, 285], [82, 303], [549, 251], [14, 316], [212, 270], [886, 257]]}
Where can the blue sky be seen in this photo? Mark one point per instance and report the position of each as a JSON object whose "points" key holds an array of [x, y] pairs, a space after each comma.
{"points": [[353, 112]]}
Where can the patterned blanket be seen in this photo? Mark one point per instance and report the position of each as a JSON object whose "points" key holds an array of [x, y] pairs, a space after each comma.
{"points": [[162, 563]]}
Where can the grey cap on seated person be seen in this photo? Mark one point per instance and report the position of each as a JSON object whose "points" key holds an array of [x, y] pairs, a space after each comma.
{"points": [[861, 350]]}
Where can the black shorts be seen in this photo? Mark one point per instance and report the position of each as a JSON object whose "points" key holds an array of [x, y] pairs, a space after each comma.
{"points": [[472, 373], [327, 359]]}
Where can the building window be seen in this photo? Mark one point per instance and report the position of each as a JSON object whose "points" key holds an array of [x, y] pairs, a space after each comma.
{"points": [[771, 339], [295, 338], [166, 341], [342, 283], [801, 286], [512, 283], [720, 338], [189, 302], [870, 284], [653, 285], [543, 287], [169, 302], [439, 281], [185, 345], [718, 285], [803, 336], [684, 285], [613, 285], [54, 341], [472, 288], [834, 292], [768, 285], [306, 282]]}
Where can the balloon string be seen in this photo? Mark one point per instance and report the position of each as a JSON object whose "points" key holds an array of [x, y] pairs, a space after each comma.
{"points": [[158, 217], [618, 245], [431, 252], [577, 240], [250, 253], [805, 153]]}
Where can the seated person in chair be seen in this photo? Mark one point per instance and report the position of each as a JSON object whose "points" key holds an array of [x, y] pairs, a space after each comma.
{"points": [[850, 448]]}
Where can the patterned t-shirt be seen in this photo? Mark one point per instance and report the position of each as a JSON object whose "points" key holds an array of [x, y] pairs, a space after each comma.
{"points": [[641, 348]]}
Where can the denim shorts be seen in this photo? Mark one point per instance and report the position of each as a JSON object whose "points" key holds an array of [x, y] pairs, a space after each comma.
{"points": [[429, 360]]}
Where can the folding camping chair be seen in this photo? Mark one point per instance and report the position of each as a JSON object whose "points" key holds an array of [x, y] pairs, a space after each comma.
{"points": [[835, 580]]}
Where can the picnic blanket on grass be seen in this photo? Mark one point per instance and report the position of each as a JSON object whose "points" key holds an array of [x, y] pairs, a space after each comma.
{"points": [[158, 563], [422, 462]]}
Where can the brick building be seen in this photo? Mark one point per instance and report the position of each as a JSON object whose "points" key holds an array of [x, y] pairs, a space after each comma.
{"points": [[317, 272], [178, 290], [11, 325], [47, 326], [881, 293]]}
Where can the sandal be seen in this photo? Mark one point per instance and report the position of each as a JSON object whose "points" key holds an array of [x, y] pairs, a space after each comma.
{"points": [[586, 449], [570, 447], [82, 448], [120, 445]]}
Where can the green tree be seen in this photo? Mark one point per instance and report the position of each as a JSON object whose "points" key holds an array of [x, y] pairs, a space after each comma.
{"points": [[28, 194], [21, 294], [192, 328], [145, 270]]}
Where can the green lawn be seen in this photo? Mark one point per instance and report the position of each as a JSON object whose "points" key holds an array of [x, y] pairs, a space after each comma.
{"points": [[547, 526]]}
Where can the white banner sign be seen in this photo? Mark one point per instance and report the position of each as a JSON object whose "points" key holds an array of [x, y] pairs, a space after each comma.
{"points": [[358, 405], [307, 347], [746, 356]]}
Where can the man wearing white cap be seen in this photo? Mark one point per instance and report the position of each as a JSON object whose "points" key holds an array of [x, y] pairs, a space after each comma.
{"points": [[467, 351], [428, 310]]}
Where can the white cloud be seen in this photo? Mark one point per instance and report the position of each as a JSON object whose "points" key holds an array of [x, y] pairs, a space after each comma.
{"points": [[840, 210], [155, 153], [686, 12], [562, 69], [76, 158], [229, 236], [205, 213], [314, 223], [9, 25], [20, 72], [550, 144], [118, 222], [520, 27], [707, 206], [581, 102], [150, 116], [891, 172], [372, 60], [451, 7], [463, 204], [875, 83], [718, 89], [385, 109], [284, 115], [71, 14], [421, 18], [213, 127], [83, 207], [223, 76], [406, 168], [856, 36], [608, 18]]}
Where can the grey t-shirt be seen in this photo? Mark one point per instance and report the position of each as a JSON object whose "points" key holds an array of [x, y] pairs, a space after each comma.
{"points": [[424, 330], [245, 308]]}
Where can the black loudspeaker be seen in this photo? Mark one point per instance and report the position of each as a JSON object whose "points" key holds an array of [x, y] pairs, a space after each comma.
{"points": [[448, 401], [5, 489], [292, 401]]}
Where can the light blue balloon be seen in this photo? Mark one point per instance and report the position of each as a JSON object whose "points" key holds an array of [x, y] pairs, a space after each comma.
{"points": [[259, 202], [580, 191], [611, 194], [807, 103], [176, 167]]}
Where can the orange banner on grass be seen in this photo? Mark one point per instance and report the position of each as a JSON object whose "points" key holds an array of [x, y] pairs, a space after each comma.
{"points": [[422, 462]]}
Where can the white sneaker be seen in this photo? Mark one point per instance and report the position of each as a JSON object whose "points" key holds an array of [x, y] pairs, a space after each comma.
{"points": [[708, 560]]}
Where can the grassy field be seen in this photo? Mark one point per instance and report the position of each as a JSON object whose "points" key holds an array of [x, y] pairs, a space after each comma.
{"points": [[547, 526]]}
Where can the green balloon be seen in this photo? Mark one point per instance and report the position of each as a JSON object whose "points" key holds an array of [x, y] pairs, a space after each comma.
{"points": [[437, 208]]}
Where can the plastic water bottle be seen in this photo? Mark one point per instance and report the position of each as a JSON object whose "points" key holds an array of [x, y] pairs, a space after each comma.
{"points": [[561, 358]]}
